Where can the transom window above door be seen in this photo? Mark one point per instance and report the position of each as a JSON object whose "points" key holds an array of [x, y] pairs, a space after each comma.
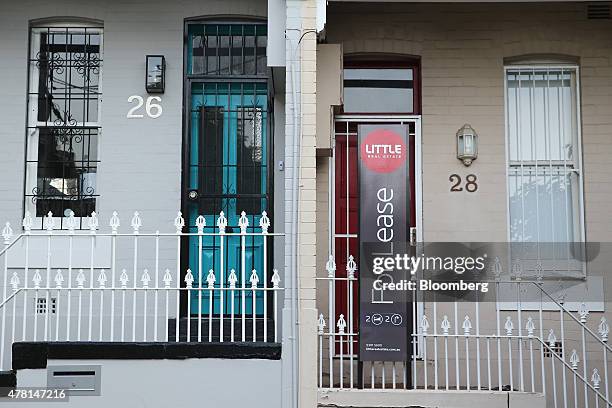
{"points": [[227, 49], [381, 87]]}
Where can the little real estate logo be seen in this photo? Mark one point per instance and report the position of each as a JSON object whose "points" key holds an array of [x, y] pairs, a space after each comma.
{"points": [[383, 151]]}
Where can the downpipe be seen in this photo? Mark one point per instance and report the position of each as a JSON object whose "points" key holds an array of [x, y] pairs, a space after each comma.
{"points": [[293, 233], [297, 138]]}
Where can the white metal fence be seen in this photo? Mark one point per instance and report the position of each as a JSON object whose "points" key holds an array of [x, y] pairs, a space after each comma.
{"points": [[134, 288], [454, 348]]}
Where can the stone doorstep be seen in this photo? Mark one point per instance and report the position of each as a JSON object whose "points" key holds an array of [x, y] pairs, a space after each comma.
{"points": [[383, 398]]}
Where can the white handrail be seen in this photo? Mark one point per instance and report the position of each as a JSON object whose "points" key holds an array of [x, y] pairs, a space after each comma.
{"points": [[518, 359]]}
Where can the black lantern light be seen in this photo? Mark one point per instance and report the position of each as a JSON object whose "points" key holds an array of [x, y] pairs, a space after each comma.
{"points": [[156, 74]]}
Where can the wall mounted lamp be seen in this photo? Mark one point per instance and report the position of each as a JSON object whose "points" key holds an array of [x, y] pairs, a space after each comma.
{"points": [[155, 81], [467, 144]]}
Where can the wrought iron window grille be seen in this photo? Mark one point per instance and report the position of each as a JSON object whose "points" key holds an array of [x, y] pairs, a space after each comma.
{"points": [[63, 124]]}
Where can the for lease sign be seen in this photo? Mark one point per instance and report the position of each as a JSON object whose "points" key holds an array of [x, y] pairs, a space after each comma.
{"points": [[383, 231]]}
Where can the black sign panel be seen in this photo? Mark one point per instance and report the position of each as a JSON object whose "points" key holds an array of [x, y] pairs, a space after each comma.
{"points": [[383, 232]]}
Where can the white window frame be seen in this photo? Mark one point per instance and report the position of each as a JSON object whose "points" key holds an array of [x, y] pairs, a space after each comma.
{"points": [[578, 169], [33, 125], [578, 208]]}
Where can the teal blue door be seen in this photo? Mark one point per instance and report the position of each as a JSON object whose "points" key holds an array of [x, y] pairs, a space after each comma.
{"points": [[228, 168]]}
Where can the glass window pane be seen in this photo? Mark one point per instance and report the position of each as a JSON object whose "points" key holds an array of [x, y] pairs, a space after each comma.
{"points": [[543, 205], [227, 49], [250, 166], [66, 171], [63, 152], [544, 174], [541, 112], [370, 90]]}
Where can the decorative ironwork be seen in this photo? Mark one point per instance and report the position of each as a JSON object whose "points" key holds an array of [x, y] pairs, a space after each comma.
{"points": [[65, 168], [230, 173], [63, 123]]}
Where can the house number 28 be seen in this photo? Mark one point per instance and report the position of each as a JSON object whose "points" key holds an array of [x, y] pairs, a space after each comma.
{"points": [[152, 109], [471, 183]]}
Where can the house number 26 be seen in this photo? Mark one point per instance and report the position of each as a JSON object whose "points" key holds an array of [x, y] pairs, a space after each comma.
{"points": [[471, 183], [152, 108]]}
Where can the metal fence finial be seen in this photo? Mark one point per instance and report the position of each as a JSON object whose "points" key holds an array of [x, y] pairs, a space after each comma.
{"points": [[445, 325], [146, 278], [27, 222], [123, 278], [189, 278], [102, 279], [539, 271], [574, 359], [341, 324], [254, 279], [467, 325], [200, 224], [517, 270], [210, 279], [530, 326], [243, 223], [232, 279], [424, 324], [179, 222], [49, 222], [496, 268], [321, 323], [59, 279], [136, 222], [167, 278], [552, 339], [93, 222], [604, 329], [7, 233], [351, 267], [36, 279], [264, 222], [275, 278], [222, 222], [15, 281], [331, 267], [80, 279], [114, 222], [596, 378], [583, 312], [509, 326], [71, 222]]}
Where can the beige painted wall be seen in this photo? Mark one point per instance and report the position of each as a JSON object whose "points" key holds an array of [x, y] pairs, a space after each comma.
{"points": [[462, 49]]}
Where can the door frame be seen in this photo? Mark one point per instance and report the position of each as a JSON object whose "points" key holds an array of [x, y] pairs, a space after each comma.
{"points": [[187, 81], [418, 168]]}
